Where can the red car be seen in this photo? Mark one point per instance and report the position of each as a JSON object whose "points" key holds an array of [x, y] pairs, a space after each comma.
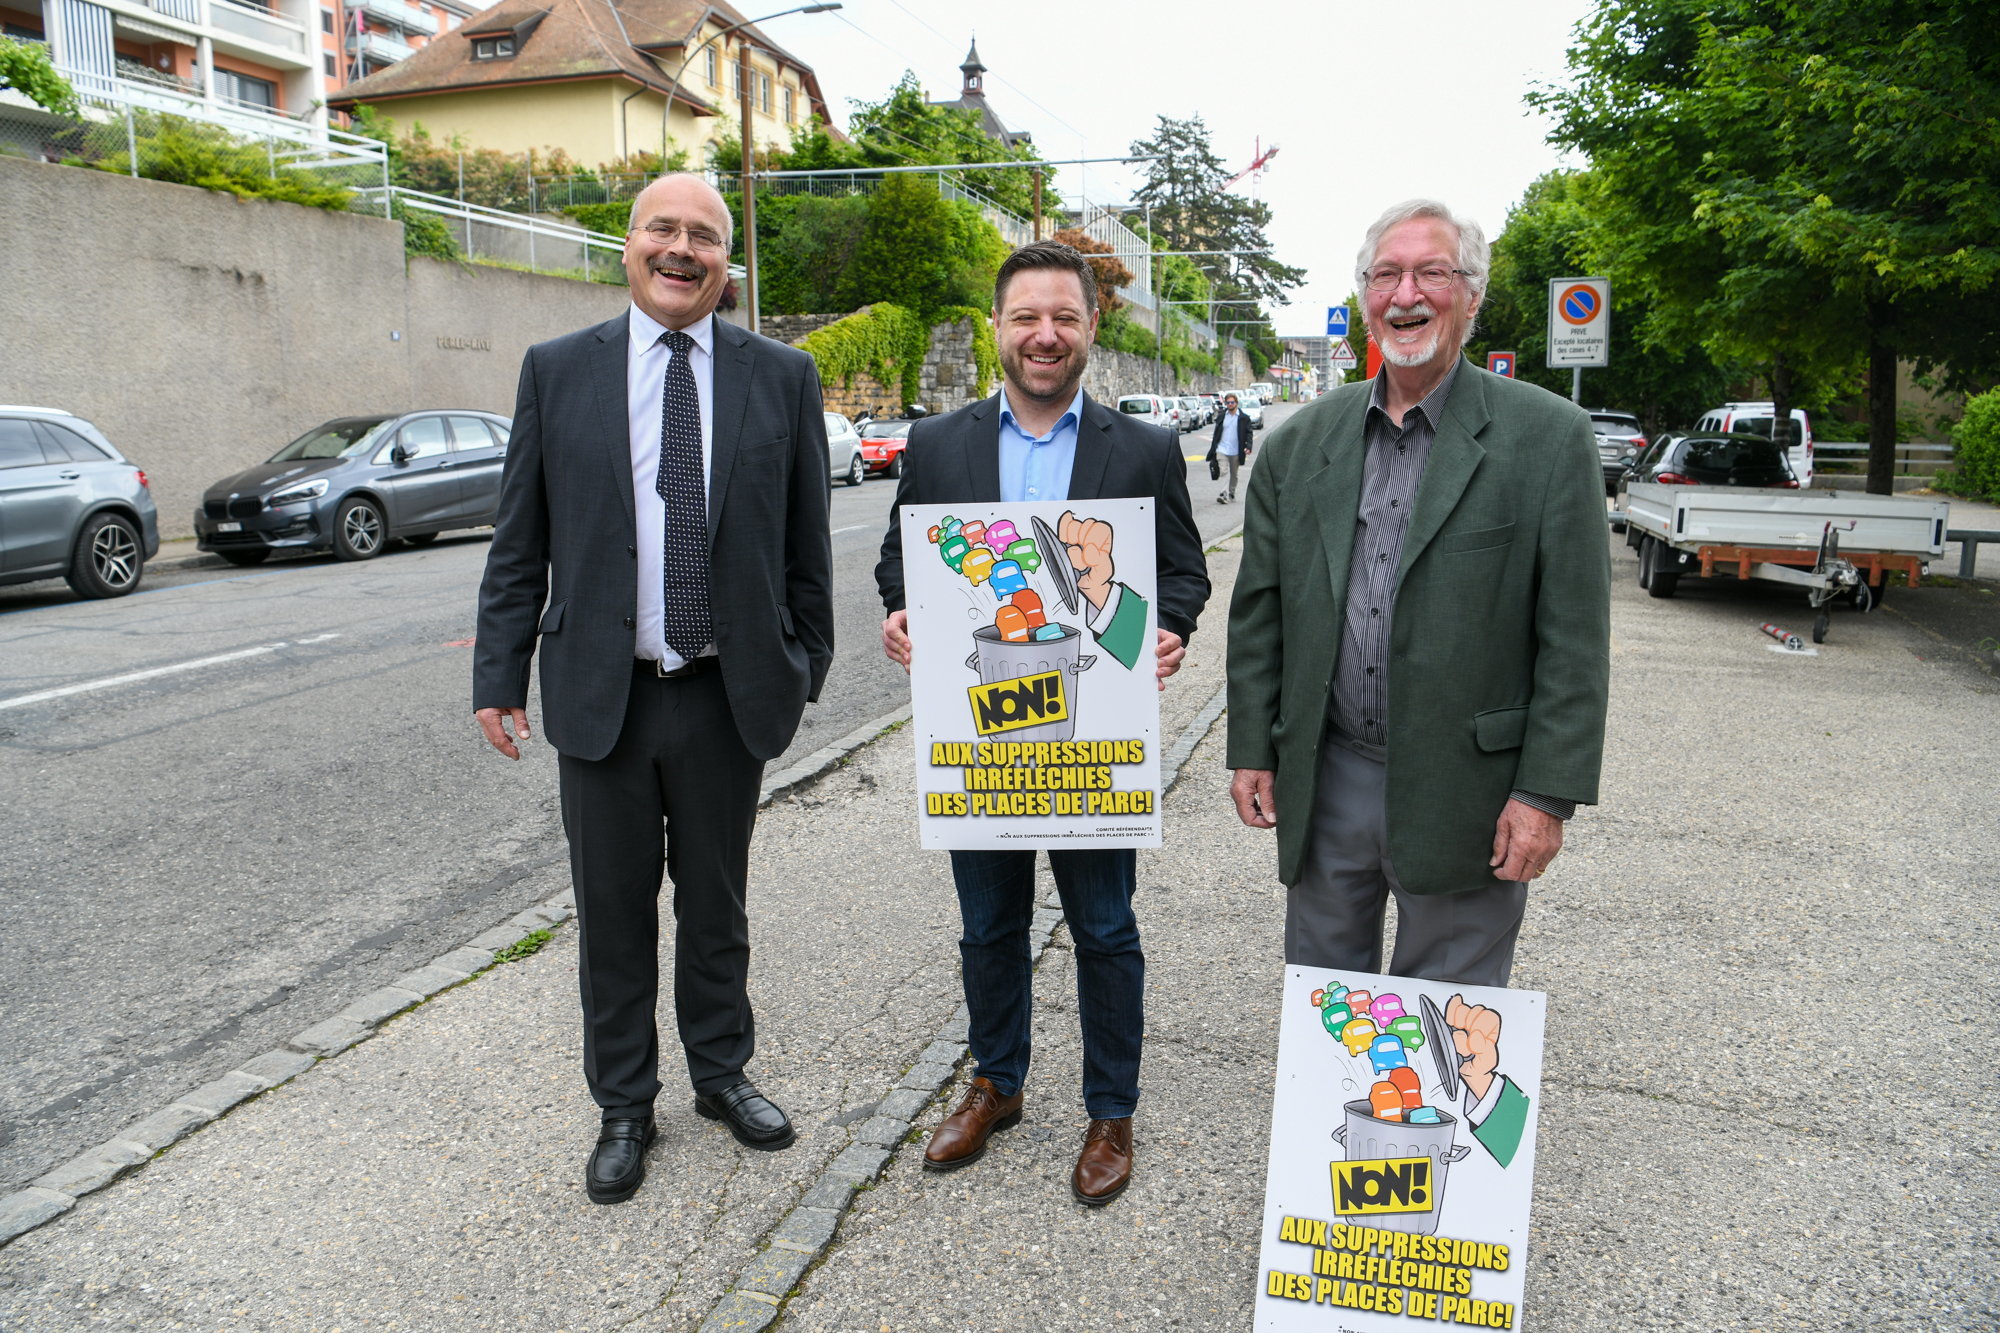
{"points": [[882, 446]]}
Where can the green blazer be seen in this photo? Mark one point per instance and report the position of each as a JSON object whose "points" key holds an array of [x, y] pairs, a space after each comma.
{"points": [[1499, 656]]}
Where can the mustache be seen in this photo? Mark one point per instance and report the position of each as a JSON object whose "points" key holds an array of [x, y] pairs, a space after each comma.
{"points": [[685, 268], [1421, 310]]}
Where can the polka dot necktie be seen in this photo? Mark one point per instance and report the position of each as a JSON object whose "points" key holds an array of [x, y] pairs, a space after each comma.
{"points": [[682, 486]]}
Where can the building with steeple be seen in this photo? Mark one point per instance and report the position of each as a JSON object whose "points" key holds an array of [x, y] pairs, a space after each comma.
{"points": [[972, 97]]}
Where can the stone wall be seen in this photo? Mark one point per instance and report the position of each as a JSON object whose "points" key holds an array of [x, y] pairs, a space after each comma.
{"points": [[794, 328], [202, 332]]}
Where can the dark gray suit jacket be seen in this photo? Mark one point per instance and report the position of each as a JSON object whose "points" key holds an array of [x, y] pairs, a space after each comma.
{"points": [[955, 459], [565, 537]]}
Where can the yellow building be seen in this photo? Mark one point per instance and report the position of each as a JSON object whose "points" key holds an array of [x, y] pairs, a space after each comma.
{"points": [[594, 80]]}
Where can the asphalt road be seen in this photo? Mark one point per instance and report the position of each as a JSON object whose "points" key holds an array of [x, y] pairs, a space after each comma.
{"points": [[290, 810]]}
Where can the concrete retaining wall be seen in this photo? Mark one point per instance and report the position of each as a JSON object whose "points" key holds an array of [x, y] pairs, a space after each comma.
{"points": [[201, 332]]}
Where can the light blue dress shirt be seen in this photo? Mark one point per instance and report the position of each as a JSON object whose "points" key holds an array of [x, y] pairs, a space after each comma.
{"points": [[1037, 468]]}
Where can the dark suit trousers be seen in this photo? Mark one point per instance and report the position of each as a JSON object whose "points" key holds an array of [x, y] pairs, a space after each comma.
{"points": [[678, 759]]}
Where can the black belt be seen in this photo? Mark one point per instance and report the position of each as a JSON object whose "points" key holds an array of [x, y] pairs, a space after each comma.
{"points": [[647, 666]]}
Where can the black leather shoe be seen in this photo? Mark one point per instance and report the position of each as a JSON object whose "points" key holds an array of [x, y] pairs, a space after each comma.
{"points": [[750, 1115], [618, 1162]]}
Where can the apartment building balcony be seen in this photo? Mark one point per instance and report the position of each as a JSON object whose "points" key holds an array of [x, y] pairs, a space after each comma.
{"points": [[379, 46], [245, 27], [398, 14]]}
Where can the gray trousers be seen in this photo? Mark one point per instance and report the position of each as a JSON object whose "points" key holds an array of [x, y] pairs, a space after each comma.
{"points": [[1333, 915], [1234, 461]]}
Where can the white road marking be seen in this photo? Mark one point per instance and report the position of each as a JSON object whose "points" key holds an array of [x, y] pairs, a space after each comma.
{"points": [[854, 528], [21, 700]]}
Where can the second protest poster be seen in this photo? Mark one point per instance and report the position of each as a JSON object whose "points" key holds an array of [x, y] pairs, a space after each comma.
{"points": [[1032, 673]]}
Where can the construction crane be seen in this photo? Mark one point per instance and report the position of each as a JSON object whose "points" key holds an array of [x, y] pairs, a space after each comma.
{"points": [[1257, 164]]}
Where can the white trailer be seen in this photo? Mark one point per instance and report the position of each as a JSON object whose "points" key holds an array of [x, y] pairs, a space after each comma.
{"points": [[1831, 543]]}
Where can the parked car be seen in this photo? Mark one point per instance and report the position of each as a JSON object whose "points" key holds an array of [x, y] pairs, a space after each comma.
{"points": [[71, 505], [355, 484], [1755, 419], [845, 461], [882, 445], [1620, 441], [1267, 392], [1707, 459], [1194, 414], [1149, 407]]}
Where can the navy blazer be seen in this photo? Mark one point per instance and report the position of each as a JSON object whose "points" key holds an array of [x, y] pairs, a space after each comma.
{"points": [[955, 459], [565, 538]]}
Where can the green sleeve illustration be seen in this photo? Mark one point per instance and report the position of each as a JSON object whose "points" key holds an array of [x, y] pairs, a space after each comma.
{"points": [[1126, 634], [1500, 1133]]}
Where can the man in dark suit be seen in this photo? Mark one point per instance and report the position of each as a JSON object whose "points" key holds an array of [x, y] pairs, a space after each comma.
{"points": [[666, 494], [1043, 438], [1419, 639]]}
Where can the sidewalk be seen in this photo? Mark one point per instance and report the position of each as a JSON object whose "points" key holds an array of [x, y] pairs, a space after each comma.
{"points": [[1769, 1099]]}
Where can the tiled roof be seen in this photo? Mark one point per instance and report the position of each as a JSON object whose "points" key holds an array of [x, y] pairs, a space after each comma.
{"points": [[564, 40]]}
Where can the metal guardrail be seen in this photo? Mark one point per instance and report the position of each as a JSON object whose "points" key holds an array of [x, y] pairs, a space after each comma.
{"points": [[1970, 540], [514, 238]]}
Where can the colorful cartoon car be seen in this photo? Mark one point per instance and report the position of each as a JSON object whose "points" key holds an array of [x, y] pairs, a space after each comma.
{"points": [[1008, 579], [1386, 1053], [1359, 1035], [1411, 1030], [1386, 1009], [976, 564], [1024, 554], [1001, 535], [1386, 1101]]}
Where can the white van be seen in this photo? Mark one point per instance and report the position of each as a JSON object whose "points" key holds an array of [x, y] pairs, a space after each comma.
{"points": [[1151, 408], [1755, 419]]}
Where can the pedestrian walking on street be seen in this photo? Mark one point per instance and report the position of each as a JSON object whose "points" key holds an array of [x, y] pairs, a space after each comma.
{"points": [[1042, 438], [681, 546], [1419, 635], [1230, 443]]}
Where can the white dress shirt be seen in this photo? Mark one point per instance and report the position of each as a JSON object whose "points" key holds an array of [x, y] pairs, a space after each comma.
{"points": [[646, 361]]}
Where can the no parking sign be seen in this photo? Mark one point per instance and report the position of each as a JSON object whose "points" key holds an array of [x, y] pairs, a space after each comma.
{"points": [[1579, 322]]}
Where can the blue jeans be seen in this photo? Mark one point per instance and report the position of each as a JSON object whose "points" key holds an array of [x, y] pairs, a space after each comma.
{"points": [[996, 903]]}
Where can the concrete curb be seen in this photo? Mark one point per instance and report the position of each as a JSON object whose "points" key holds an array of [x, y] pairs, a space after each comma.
{"points": [[806, 1232], [55, 1192]]}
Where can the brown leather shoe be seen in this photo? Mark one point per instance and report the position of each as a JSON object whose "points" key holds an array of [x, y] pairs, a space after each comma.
{"points": [[961, 1139], [1104, 1167]]}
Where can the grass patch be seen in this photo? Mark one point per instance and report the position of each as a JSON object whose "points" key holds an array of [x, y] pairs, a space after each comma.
{"points": [[525, 947]]}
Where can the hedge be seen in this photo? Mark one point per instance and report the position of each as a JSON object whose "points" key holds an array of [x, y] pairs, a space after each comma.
{"points": [[1976, 450]]}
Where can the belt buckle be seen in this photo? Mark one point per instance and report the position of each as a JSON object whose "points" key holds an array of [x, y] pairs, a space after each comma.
{"points": [[684, 669]]}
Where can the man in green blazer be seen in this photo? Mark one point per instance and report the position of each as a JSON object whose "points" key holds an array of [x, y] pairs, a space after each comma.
{"points": [[1419, 637]]}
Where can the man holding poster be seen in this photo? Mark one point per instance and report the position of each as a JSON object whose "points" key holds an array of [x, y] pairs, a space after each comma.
{"points": [[1042, 439]]}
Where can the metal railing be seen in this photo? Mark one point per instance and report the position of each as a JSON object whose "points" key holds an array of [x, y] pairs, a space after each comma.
{"points": [[134, 128], [493, 235], [1920, 460]]}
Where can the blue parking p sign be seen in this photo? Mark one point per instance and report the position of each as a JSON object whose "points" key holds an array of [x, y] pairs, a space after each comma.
{"points": [[1336, 321]]}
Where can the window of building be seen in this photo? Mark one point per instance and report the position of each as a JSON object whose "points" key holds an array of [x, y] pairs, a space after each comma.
{"points": [[326, 20], [242, 88], [710, 53], [791, 109], [764, 92], [329, 66], [736, 79], [493, 48]]}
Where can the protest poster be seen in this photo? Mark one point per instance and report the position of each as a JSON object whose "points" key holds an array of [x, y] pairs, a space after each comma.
{"points": [[1402, 1155], [1036, 707]]}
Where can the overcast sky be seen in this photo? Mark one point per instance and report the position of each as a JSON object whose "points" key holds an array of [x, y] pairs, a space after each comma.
{"points": [[1369, 104]]}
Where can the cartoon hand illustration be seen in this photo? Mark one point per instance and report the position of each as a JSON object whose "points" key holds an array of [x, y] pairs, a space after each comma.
{"points": [[1088, 544], [1475, 1031]]}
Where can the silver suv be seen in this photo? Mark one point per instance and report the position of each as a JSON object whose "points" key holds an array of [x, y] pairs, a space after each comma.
{"points": [[71, 505]]}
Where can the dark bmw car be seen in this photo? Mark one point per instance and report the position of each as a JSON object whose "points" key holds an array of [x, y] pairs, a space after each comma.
{"points": [[356, 484]]}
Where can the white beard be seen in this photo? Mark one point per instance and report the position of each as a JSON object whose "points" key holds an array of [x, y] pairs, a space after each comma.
{"points": [[1421, 355]]}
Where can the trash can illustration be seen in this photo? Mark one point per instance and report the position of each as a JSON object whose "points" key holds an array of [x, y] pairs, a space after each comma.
{"points": [[1368, 1137], [995, 659]]}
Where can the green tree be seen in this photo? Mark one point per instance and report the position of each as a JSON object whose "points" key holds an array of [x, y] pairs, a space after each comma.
{"points": [[922, 252], [1800, 182], [1191, 209], [1668, 382], [810, 253], [26, 67]]}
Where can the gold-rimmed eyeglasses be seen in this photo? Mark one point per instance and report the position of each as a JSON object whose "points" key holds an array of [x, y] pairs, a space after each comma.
{"points": [[666, 233]]}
